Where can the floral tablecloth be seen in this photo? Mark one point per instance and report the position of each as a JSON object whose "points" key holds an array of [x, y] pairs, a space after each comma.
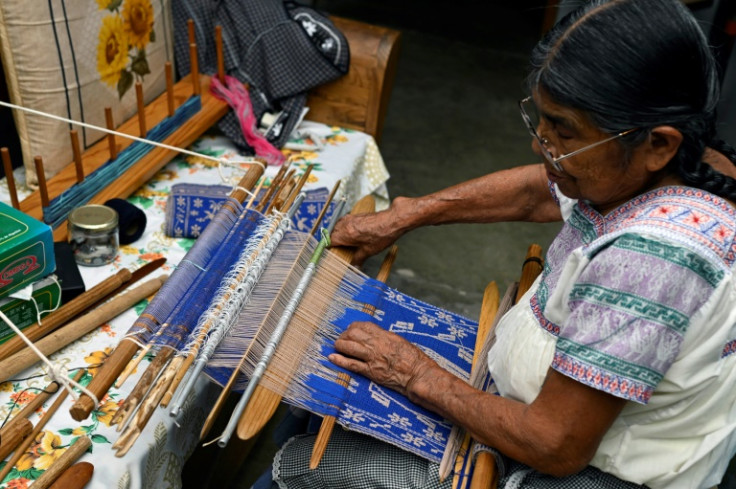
{"points": [[158, 456]]}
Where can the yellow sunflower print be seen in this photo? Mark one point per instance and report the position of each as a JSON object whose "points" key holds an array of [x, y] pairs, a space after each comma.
{"points": [[112, 50], [138, 15]]}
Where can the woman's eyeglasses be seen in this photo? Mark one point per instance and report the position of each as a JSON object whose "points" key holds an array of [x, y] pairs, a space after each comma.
{"points": [[544, 142]]}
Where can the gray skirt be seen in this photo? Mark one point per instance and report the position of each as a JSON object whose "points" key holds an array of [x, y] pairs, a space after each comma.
{"points": [[357, 461]]}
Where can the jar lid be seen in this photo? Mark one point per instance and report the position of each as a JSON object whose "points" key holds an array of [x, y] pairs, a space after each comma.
{"points": [[94, 217]]}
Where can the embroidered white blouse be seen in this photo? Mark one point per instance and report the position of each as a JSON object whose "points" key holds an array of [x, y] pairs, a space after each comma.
{"points": [[640, 303]]}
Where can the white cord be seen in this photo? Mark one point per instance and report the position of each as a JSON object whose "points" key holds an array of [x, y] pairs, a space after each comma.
{"points": [[59, 373], [110, 131]]}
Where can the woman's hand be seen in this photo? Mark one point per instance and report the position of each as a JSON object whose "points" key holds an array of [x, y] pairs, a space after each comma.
{"points": [[382, 356], [370, 233]]}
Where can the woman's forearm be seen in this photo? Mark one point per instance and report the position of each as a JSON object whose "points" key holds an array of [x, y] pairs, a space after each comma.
{"points": [[516, 194]]}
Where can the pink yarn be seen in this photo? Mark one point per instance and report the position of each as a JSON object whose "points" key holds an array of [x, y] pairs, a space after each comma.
{"points": [[237, 97]]}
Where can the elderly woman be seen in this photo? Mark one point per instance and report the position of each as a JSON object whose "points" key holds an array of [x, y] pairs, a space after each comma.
{"points": [[616, 369]]}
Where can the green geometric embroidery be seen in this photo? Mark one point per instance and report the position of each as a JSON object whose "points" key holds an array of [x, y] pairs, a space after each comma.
{"points": [[673, 254], [634, 304], [609, 363], [578, 221]]}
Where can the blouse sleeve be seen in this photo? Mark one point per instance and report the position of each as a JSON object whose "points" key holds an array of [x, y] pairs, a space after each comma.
{"points": [[624, 315]]}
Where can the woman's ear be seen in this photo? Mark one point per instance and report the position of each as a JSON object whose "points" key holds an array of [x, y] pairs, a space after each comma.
{"points": [[663, 143]]}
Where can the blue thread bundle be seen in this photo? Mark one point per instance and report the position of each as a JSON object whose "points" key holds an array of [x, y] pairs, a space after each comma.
{"points": [[80, 193]]}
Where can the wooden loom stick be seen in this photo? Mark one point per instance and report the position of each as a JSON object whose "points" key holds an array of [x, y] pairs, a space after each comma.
{"points": [[225, 392], [22, 417], [37, 429], [194, 64], [275, 184], [264, 401], [70, 455], [485, 475], [169, 73], [42, 187], [146, 167], [79, 327], [12, 434], [75, 477], [141, 109], [66, 312], [220, 56], [77, 155], [328, 422], [110, 123], [9, 177], [321, 216], [127, 348], [488, 311]]}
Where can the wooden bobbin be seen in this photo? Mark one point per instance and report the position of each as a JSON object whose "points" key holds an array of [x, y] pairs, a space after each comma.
{"points": [[190, 31], [74, 135], [110, 137], [169, 71], [42, 188], [8, 166], [141, 109]]}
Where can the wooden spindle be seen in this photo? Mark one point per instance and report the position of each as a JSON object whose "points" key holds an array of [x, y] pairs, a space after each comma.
{"points": [[194, 72], [38, 161], [220, 54], [141, 109], [74, 135], [169, 70], [8, 166], [110, 137], [66, 460]]}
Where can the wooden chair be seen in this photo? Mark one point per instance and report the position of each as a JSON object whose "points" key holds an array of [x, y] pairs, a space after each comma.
{"points": [[359, 99]]}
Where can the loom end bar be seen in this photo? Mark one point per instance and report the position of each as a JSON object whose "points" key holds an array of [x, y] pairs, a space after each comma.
{"points": [[104, 378]]}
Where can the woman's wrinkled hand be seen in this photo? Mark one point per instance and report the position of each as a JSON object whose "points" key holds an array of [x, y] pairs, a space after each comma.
{"points": [[372, 233], [382, 356]]}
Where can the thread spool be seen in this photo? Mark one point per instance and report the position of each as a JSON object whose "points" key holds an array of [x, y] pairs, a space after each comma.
{"points": [[131, 220]]}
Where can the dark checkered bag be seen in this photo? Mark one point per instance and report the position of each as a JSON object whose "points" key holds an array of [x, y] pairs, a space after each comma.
{"points": [[280, 49]]}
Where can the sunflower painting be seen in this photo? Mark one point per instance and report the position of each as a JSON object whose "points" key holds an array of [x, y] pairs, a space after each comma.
{"points": [[123, 37]]}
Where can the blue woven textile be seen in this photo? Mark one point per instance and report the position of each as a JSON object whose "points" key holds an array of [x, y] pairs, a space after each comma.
{"points": [[190, 207]]}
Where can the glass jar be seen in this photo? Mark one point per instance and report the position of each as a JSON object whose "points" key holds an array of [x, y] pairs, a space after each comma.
{"points": [[93, 234]]}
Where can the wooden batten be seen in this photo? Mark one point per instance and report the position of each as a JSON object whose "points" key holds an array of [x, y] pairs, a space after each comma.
{"points": [[143, 170]]}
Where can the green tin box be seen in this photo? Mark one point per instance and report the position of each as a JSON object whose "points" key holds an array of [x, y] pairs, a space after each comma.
{"points": [[26, 250], [46, 295]]}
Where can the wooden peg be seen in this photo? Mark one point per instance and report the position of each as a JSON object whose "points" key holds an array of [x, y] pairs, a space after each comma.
{"points": [[190, 31], [141, 108], [169, 71], [194, 72], [220, 54], [38, 161], [111, 137], [74, 135], [8, 166]]}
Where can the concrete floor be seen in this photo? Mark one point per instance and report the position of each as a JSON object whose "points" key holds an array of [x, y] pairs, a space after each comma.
{"points": [[452, 116]]}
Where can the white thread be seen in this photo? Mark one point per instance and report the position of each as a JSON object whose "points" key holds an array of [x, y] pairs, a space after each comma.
{"points": [[109, 131], [58, 302], [58, 373]]}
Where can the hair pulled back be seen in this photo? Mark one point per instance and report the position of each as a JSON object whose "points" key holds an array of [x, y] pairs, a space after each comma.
{"points": [[638, 64]]}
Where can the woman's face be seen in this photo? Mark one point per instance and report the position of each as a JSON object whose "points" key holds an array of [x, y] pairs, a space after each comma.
{"points": [[601, 175]]}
